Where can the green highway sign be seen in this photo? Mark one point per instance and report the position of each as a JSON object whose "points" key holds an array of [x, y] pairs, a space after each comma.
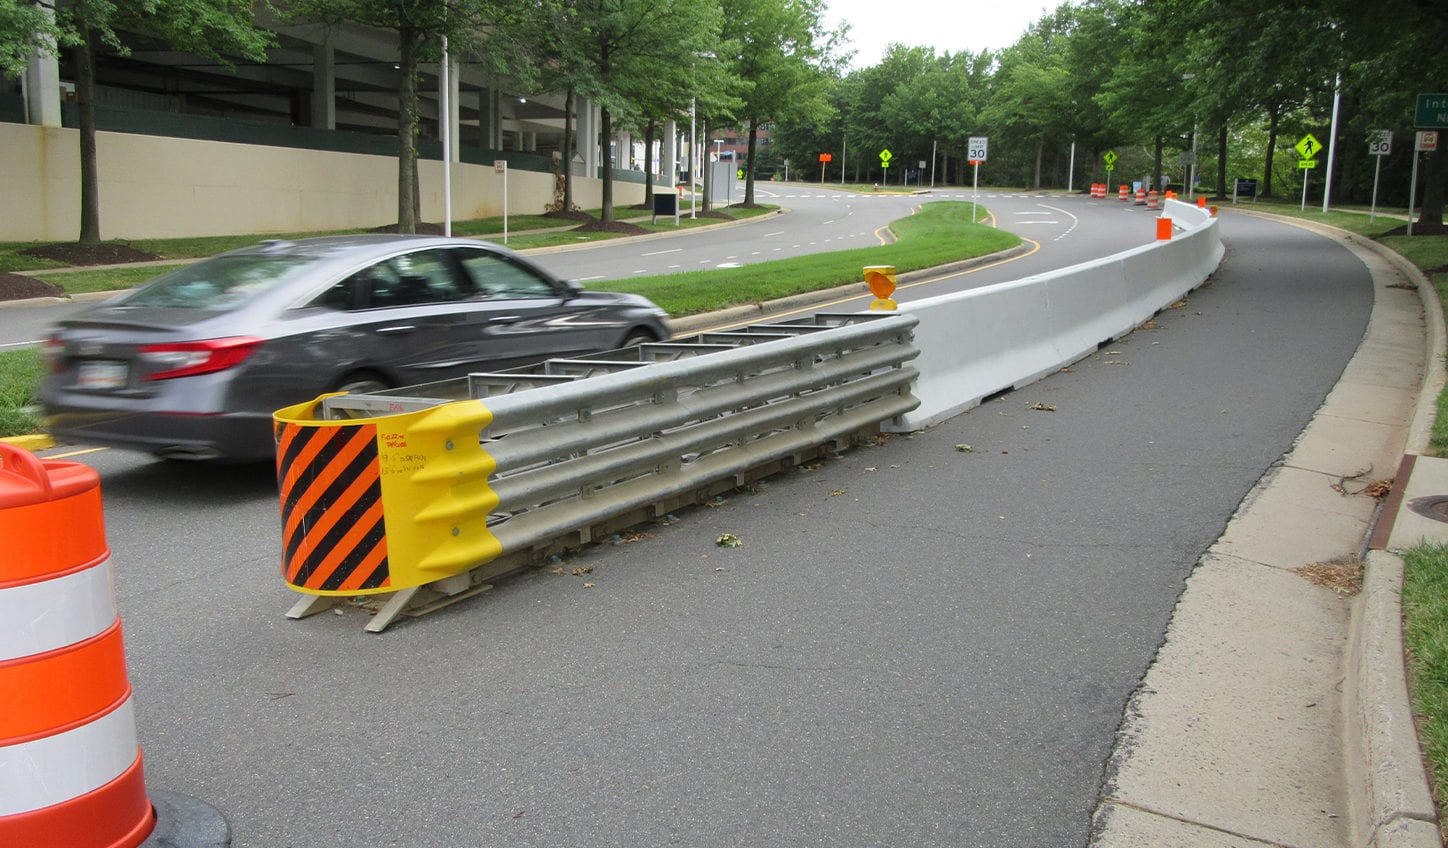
{"points": [[1432, 112]]}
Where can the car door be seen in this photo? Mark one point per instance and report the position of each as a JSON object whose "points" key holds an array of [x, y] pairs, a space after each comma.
{"points": [[527, 315], [408, 317]]}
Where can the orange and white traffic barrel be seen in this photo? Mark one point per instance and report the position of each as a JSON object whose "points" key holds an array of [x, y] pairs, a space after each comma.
{"points": [[1140, 197], [1153, 200], [1125, 192], [70, 765]]}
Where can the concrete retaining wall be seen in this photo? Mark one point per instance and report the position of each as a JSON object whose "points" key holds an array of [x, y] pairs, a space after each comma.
{"points": [[976, 343], [162, 187]]}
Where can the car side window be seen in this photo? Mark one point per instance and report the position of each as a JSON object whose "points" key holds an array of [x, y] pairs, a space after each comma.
{"points": [[498, 279], [423, 277]]}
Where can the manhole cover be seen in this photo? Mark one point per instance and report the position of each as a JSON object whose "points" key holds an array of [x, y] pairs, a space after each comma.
{"points": [[1431, 506]]}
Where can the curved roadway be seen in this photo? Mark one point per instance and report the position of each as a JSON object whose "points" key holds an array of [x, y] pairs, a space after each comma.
{"points": [[917, 644]]}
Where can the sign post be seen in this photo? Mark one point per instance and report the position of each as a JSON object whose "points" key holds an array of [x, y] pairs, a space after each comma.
{"points": [[824, 159], [501, 166], [1431, 114], [1307, 148], [1378, 148], [976, 151], [1426, 142]]}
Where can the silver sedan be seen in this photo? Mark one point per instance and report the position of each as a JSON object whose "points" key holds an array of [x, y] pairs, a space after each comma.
{"points": [[193, 364]]}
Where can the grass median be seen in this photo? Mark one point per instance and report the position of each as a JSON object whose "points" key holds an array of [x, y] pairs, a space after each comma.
{"points": [[942, 232]]}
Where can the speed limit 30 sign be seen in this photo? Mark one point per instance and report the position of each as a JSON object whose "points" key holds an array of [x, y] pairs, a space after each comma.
{"points": [[976, 149], [1382, 145]]}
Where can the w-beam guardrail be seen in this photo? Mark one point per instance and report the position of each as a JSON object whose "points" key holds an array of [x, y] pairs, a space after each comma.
{"points": [[428, 492]]}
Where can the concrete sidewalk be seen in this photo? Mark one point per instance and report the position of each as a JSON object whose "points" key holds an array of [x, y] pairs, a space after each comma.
{"points": [[1276, 712]]}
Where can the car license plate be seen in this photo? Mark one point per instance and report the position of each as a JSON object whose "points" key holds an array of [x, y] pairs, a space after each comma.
{"points": [[101, 375]]}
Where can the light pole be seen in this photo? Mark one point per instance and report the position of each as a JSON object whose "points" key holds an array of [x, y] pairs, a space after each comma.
{"points": [[1192, 168]]}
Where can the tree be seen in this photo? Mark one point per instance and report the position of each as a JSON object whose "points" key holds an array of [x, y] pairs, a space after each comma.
{"points": [[608, 49], [216, 29], [481, 31], [25, 28], [781, 49]]}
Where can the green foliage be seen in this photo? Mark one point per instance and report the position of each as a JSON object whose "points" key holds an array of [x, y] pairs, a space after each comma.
{"points": [[1425, 634]]}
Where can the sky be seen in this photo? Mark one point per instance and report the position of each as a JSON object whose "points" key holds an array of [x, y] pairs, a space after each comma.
{"points": [[946, 25]]}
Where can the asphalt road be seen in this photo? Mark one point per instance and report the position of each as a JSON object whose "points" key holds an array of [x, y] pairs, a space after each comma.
{"points": [[915, 645]]}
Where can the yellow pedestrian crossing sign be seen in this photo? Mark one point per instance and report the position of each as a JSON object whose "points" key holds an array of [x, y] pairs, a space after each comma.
{"points": [[885, 157], [1110, 157], [1308, 146]]}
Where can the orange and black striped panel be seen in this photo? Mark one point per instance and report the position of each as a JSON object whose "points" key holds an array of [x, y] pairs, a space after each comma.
{"points": [[334, 536]]}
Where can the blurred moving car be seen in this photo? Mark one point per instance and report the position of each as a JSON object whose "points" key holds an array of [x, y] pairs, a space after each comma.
{"points": [[193, 364]]}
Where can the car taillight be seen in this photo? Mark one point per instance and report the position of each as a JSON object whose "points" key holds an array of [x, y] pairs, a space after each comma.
{"points": [[53, 354], [187, 359]]}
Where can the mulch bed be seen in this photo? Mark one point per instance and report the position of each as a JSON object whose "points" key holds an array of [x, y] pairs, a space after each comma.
{"points": [[20, 287], [423, 229], [74, 253]]}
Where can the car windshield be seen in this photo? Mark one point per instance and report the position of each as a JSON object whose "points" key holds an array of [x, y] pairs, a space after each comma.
{"points": [[222, 282]]}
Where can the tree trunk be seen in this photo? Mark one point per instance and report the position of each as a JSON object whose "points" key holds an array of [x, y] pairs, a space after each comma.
{"points": [[568, 152], [1040, 152], [1433, 178], [1156, 166], [1222, 162], [1273, 115], [749, 162], [407, 193], [85, 92], [606, 127], [649, 162], [708, 169]]}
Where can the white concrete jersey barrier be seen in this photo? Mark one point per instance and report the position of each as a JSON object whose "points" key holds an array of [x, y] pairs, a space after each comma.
{"points": [[976, 343]]}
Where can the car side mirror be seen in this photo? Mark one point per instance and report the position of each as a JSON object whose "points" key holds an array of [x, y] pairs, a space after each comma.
{"points": [[571, 289]]}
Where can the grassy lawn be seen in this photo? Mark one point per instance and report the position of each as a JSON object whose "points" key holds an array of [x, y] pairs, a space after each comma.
{"points": [[1425, 634], [20, 372]]}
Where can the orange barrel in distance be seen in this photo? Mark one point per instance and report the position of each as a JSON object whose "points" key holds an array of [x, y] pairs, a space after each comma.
{"points": [[1163, 229], [1141, 197], [1202, 202], [1125, 192], [1153, 200], [70, 766]]}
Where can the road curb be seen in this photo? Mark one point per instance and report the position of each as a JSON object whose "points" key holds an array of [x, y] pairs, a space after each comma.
{"points": [[34, 442], [1396, 809]]}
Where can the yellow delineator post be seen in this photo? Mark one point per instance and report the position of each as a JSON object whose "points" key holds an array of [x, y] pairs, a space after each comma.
{"points": [[882, 284], [378, 505]]}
